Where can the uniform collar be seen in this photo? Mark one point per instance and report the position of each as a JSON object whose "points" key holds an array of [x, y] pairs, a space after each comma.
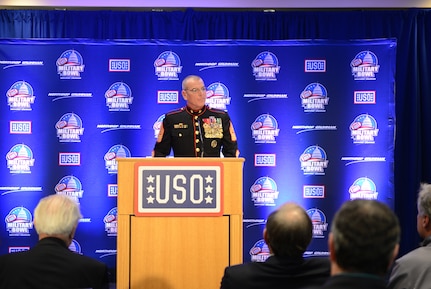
{"points": [[195, 112]]}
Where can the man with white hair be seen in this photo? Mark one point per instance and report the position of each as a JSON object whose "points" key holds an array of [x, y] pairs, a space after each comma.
{"points": [[50, 264], [413, 270]]}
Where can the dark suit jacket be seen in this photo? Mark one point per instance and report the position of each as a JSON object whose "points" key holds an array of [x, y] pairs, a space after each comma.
{"points": [[277, 273], [51, 265], [355, 281]]}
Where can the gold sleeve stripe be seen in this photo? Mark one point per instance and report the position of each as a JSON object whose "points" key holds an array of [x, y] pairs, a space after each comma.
{"points": [[232, 132], [161, 132]]}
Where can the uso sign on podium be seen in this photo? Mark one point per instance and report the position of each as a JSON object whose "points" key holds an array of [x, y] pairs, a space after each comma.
{"points": [[179, 221], [179, 189]]}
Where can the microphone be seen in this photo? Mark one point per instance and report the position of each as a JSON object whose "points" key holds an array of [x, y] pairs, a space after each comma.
{"points": [[201, 137]]}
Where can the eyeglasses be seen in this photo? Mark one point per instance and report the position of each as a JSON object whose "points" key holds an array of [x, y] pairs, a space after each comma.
{"points": [[194, 90]]}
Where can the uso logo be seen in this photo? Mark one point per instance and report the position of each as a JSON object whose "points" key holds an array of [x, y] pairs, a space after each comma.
{"points": [[364, 97], [20, 127], [119, 65], [318, 65], [69, 159], [312, 192], [179, 189]]}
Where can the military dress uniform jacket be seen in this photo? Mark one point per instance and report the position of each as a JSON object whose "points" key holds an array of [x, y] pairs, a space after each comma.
{"points": [[202, 133]]}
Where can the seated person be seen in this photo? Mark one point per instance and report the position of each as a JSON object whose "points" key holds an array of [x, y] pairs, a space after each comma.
{"points": [[288, 232], [50, 264]]}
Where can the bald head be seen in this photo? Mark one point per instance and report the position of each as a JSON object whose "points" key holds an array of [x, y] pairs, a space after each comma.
{"points": [[288, 231], [190, 78]]}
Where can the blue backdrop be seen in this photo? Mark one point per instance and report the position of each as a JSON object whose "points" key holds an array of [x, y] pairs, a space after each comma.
{"points": [[315, 122]]}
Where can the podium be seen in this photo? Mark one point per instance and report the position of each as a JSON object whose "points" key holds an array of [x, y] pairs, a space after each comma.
{"points": [[162, 246]]}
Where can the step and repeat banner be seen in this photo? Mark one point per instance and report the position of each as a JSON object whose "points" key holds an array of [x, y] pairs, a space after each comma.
{"points": [[314, 120]]}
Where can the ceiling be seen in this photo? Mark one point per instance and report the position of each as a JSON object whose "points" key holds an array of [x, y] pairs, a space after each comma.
{"points": [[224, 4]]}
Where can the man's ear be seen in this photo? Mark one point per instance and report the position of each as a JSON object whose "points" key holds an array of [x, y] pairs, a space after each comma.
{"points": [[184, 94], [267, 241], [331, 247], [396, 250], [426, 222], [265, 236], [394, 255]]}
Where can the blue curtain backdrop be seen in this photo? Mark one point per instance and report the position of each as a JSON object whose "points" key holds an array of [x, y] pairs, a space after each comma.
{"points": [[409, 26]]}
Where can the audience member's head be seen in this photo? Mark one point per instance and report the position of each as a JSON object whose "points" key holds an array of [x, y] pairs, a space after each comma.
{"points": [[57, 216], [364, 238], [288, 231], [424, 211]]}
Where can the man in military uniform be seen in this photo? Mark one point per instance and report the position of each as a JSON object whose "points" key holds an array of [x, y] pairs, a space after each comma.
{"points": [[196, 130]]}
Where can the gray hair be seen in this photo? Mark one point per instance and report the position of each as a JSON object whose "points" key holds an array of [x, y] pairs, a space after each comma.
{"points": [[186, 80], [424, 200], [56, 215]]}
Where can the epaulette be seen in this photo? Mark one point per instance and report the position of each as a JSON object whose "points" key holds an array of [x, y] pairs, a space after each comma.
{"points": [[175, 111], [217, 110]]}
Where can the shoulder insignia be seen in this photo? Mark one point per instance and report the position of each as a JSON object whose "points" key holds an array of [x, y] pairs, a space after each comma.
{"points": [[178, 110], [215, 110]]}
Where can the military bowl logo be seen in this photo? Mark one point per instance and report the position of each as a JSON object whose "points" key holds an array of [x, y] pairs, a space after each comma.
{"points": [[19, 222], [313, 160], [110, 221], [364, 129], [69, 128], [259, 252], [314, 98], [218, 96], [70, 186], [75, 247], [158, 125], [365, 66], [70, 65], [264, 192], [265, 66], [168, 66], [116, 151], [318, 219], [119, 97], [20, 96], [264, 129], [363, 188], [20, 159]]}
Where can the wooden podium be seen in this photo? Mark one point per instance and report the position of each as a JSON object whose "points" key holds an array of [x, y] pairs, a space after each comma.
{"points": [[182, 250]]}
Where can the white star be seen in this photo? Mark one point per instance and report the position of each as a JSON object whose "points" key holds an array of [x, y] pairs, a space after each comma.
{"points": [[208, 200], [150, 189], [150, 200], [209, 189], [150, 179], [209, 179]]}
